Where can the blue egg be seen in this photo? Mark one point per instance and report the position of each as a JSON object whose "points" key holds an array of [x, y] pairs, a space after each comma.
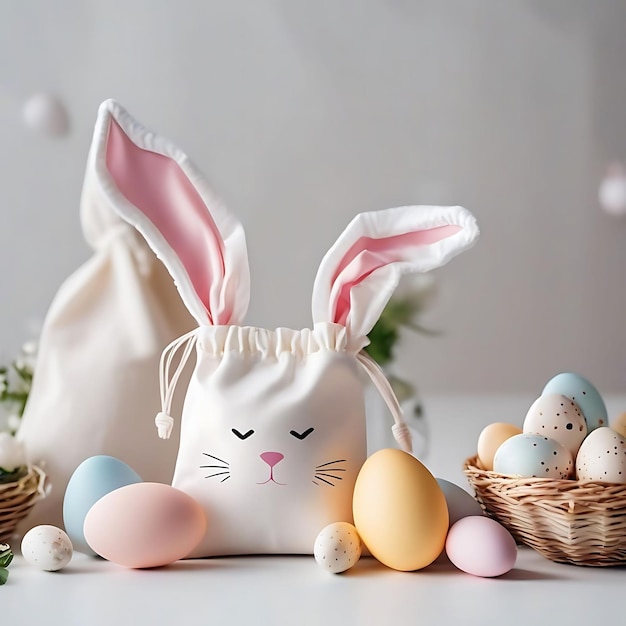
{"points": [[532, 455], [91, 480], [584, 394]]}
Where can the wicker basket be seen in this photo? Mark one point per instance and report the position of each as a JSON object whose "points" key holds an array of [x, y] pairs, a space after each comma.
{"points": [[567, 521], [17, 498]]}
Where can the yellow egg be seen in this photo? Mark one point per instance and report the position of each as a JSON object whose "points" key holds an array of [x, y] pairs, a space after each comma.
{"points": [[491, 438], [399, 510]]}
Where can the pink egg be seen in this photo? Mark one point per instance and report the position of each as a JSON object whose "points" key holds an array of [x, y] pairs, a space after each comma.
{"points": [[481, 546], [144, 525]]}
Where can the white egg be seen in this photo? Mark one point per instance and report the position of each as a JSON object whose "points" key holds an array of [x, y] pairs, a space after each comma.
{"points": [[47, 548], [602, 457], [558, 417], [338, 547]]}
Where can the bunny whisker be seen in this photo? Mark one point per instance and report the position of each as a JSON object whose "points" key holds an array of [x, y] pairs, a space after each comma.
{"points": [[218, 474], [330, 463], [216, 458], [325, 481], [215, 466], [318, 474]]}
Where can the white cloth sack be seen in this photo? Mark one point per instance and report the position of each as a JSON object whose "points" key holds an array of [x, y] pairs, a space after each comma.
{"points": [[95, 388], [273, 424]]}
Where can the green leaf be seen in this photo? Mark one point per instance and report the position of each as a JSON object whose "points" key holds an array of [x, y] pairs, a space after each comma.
{"points": [[6, 555], [383, 338], [4, 574], [7, 476]]}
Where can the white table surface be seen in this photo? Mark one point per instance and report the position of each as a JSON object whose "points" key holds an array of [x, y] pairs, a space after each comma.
{"points": [[294, 590]]}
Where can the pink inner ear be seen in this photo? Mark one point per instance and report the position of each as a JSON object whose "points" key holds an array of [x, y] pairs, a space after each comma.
{"points": [[369, 254], [159, 188]]}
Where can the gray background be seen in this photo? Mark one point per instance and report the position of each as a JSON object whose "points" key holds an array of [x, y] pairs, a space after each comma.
{"points": [[303, 114]]}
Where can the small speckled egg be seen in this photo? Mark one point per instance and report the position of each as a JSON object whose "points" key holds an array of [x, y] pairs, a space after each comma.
{"points": [[481, 546], [535, 456], [602, 457], [400, 511], [619, 424], [338, 547], [491, 438], [47, 547], [584, 394], [145, 525], [556, 416], [460, 503]]}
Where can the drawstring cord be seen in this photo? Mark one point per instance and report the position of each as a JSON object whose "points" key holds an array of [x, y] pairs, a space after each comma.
{"points": [[400, 430], [167, 385]]}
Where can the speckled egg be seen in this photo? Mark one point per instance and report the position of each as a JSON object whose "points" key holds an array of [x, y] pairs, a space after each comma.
{"points": [[586, 396], [556, 416], [602, 457], [491, 438], [47, 548], [337, 547], [535, 456]]}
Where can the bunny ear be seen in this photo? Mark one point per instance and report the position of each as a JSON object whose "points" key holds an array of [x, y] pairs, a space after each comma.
{"points": [[359, 273], [154, 186]]}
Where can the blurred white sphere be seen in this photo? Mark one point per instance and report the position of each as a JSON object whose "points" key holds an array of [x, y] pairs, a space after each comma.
{"points": [[612, 191], [45, 114]]}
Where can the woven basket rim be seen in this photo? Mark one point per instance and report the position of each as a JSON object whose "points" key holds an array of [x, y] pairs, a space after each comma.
{"points": [[567, 521], [472, 466], [17, 498], [32, 471]]}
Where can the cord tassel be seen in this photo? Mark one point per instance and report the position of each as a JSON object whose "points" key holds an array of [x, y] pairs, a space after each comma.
{"points": [[400, 430], [164, 421]]}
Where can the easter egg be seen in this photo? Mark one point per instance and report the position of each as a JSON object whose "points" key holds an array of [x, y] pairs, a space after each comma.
{"points": [[338, 547], [602, 457], [460, 503], [491, 438], [145, 525], [47, 548], [92, 479], [400, 511], [556, 416], [481, 546], [584, 394], [532, 455]]}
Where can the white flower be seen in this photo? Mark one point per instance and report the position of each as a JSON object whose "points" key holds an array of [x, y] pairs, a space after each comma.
{"points": [[12, 453]]}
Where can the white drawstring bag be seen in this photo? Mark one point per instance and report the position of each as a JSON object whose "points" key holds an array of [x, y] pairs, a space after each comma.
{"points": [[95, 388], [273, 424]]}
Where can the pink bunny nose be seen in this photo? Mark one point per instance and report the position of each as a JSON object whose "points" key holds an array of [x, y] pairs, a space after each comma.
{"points": [[272, 458]]}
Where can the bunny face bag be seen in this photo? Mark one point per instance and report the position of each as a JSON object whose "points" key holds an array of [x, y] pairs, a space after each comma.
{"points": [[273, 425]]}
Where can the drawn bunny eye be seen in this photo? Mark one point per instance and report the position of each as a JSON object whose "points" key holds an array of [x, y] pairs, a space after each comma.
{"points": [[243, 435], [302, 435]]}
